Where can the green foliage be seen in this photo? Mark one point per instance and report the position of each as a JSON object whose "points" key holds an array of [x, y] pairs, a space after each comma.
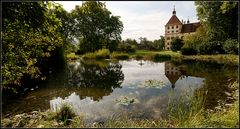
{"points": [[126, 47], [65, 113], [160, 57], [96, 26], [159, 44], [231, 46], [100, 54], [103, 54], [214, 47], [120, 56], [219, 19], [176, 44], [28, 42], [188, 51]]}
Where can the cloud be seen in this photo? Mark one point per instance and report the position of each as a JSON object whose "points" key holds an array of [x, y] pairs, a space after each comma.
{"points": [[144, 18]]}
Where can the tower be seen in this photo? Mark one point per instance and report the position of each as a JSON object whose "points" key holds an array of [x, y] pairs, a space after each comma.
{"points": [[172, 29]]}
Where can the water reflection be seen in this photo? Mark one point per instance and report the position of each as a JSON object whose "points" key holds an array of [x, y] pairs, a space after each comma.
{"points": [[96, 79], [173, 73]]}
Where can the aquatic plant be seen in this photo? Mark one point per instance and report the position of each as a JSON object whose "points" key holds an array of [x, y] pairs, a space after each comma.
{"points": [[65, 113], [124, 100], [152, 84]]}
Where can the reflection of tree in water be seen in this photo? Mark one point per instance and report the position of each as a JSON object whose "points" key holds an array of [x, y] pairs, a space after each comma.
{"points": [[217, 78], [95, 78]]}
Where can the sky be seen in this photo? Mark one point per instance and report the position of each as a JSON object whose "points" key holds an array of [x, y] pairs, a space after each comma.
{"points": [[144, 18]]}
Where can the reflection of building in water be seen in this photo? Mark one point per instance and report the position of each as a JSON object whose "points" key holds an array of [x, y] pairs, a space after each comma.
{"points": [[173, 73]]}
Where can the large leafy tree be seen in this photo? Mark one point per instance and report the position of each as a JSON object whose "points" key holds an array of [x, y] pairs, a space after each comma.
{"points": [[219, 18], [96, 26], [176, 44], [30, 36]]}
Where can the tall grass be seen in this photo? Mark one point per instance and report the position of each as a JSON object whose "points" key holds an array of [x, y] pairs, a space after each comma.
{"points": [[65, 113], [100, 54], [120, 56]]}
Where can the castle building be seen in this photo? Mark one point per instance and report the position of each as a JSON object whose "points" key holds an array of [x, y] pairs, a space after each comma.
{"points": [[176, 28]]}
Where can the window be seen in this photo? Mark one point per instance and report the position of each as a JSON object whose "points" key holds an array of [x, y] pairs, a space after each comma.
{"points": [[172, 37], [172, 31], [176, 30], [167, 43], [168, 27], [176, 26], [172, 27], [168, 32], [168, 38], [168, 48]]}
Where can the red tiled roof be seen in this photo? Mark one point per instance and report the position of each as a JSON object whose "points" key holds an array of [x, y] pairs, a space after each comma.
{"points": [[191, 27], [173, 20]]}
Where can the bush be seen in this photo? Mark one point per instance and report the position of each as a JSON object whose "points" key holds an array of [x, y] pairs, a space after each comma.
{"points": [[230, 46], [100, 54], [120, 56], [65, 113], [188, 51], [89, 56], [103, 54], [176, 44], [127, 48], [72, 56], [160, 57], [138, 57], [214, 47]]}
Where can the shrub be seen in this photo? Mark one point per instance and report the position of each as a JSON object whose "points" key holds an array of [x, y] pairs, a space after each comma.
{"points": [[138, 57], [102, 54], [127, 48], [176, 44], [160, 57], [214, 47], [230, 46], [65, 113], [89, 56], [72, 56], [120, 56], [188, 51]]}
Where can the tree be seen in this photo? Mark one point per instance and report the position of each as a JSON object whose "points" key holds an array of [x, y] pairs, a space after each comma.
{"points": [[97, 26], [159, 44], [30, 37], [219, 19], [176, 44]]}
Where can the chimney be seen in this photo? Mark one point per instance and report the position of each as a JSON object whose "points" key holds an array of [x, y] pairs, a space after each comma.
{"points": [[188, 20]]}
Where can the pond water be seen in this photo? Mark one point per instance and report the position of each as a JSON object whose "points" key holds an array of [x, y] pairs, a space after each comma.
{"points": [[141, 89]]}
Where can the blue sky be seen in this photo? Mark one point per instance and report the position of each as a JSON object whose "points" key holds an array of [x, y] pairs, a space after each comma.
{"points": [[144, 18]]}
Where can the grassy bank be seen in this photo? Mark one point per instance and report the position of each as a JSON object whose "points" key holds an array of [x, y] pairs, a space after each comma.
{"points": [[221, 58], [158, 56], [179, 115]]}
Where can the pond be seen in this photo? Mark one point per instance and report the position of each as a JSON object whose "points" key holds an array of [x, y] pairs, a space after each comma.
{"points": [[140, 88]]}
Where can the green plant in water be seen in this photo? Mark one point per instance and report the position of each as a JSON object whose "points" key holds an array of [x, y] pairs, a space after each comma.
{"points": [[65, 113], [152, 84], [124, 100]]}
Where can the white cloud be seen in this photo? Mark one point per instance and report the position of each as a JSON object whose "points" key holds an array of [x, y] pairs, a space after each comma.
{"points": [[144, 18]]}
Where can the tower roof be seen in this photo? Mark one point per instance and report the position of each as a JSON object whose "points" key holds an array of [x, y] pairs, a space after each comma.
{"points": [[174, 20]]}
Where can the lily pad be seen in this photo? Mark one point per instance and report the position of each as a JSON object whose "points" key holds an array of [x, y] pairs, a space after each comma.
{"points": [[124, 100], [152, 84]]}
